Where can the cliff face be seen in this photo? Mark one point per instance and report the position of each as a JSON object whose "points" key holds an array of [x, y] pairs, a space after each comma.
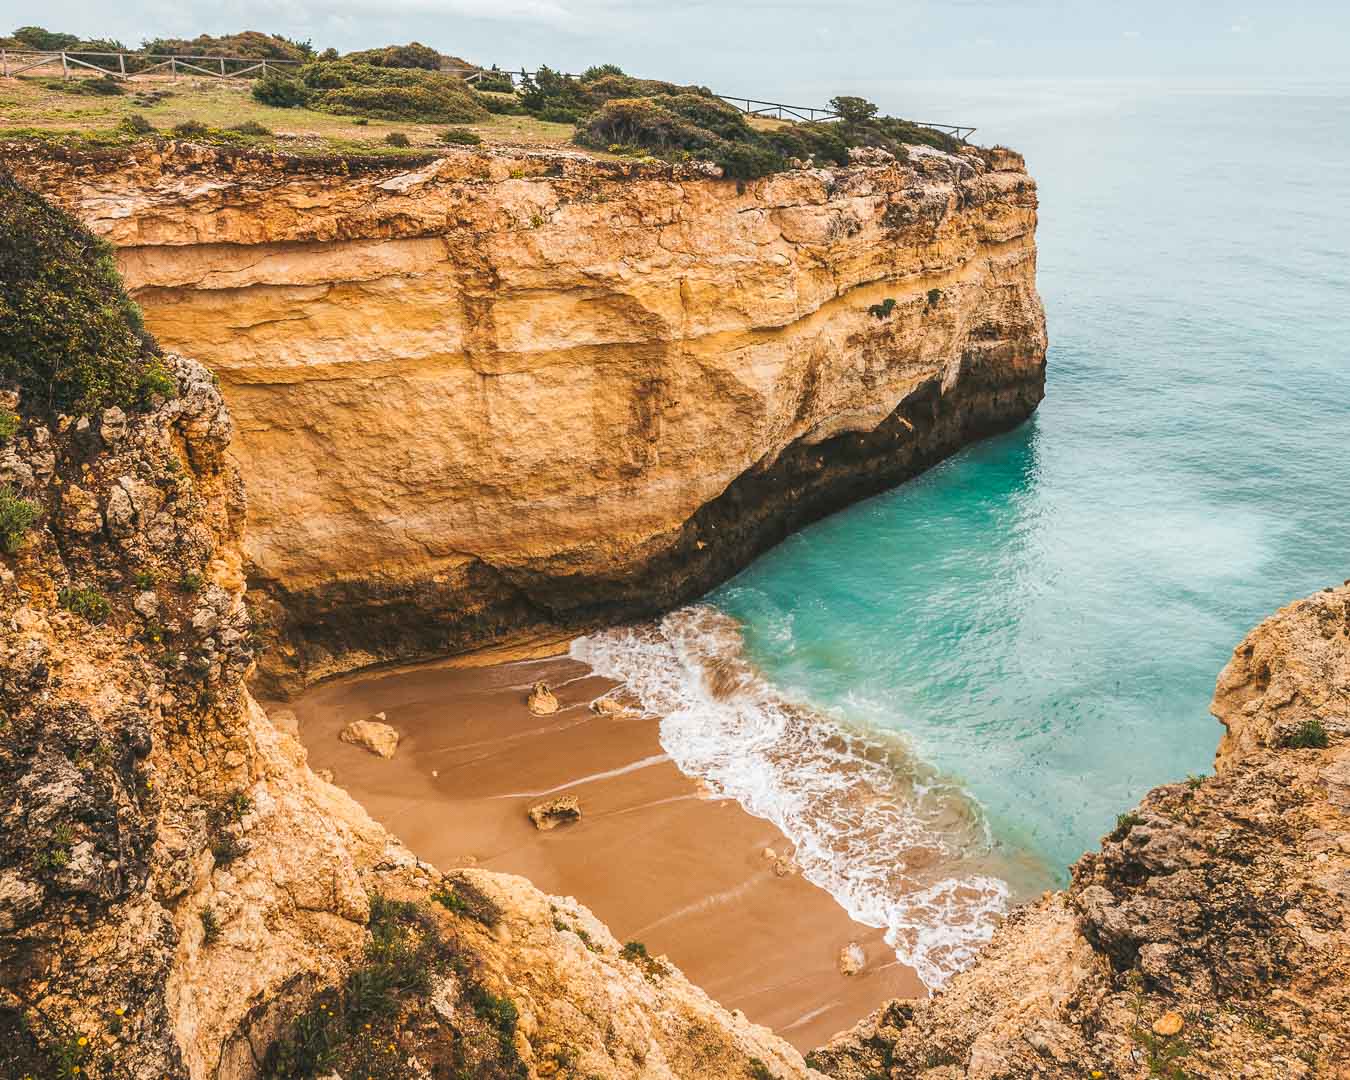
{"points": [[1210, 935], [180, 896], [508, 394]]}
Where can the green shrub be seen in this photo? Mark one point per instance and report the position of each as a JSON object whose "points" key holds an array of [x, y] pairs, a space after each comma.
{"points": [[853, 110], [35, 37], [397, 138], [210, 927], [280, 91], [412, 55], [416, 103], [17, 516], [250, 127], [251, 44], [86, 602], [934, 297], [501, 105], [1309, 735], [9, 425], [493, 81], [599, 71], [882, 310], [190, 582], [136, 124], [191, 129], [460, 137], [69, 335]]}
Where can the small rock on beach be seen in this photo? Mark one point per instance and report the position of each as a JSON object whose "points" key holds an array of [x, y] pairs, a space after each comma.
{"points": [[555, 812], [373, 735]]}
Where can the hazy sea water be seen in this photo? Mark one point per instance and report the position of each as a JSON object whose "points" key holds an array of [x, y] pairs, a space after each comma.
{"points": [[1031, 631]]}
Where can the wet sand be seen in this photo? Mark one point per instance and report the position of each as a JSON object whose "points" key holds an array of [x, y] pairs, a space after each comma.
{"points": [[654, 856]]}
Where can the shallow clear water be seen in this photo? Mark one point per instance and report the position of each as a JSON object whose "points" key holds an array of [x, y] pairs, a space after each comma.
{"points": [[1041, 618]]}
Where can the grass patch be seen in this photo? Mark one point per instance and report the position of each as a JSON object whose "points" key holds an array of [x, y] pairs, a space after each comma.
{"points": [[17, 517], [1124, 823], [462, 897], [86, 602]]}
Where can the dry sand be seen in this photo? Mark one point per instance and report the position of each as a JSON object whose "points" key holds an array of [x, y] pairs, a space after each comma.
{"points": [[654, 856]]}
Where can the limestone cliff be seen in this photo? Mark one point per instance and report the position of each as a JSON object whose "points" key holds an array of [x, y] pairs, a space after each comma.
{"points": [[507, 393], [1210, 935], [180, 896]]}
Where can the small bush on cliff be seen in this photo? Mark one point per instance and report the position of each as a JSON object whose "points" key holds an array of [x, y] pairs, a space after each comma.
{"points": [[86, 602], [17, 516], [70, 337], [1309, 735], [9, 425]]}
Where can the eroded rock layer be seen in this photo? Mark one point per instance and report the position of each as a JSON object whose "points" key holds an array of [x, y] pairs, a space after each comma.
{"points": [[499, 394], [1210, 935]]}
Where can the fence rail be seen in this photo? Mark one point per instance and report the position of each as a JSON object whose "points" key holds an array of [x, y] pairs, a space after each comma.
{"points": [[14, 61]]}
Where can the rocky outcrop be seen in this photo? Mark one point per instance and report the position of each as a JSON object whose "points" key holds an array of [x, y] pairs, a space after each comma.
{"points": [[1210, 935], [505, 393], [180, 896]]}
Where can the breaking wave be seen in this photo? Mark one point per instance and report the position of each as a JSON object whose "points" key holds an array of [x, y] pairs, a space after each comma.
{"points": [[897, 846]]}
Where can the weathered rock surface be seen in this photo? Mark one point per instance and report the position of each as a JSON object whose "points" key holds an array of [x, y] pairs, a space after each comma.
{"points": [[503, 393], [373, 735], [560, 811], [542, 701], [180, 895], [1210, 935]]}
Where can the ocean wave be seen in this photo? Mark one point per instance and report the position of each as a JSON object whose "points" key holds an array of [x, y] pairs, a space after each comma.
{"points": [[898, 846]]}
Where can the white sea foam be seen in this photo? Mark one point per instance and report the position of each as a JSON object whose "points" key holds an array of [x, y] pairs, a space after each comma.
{"points": [[897, 846]]}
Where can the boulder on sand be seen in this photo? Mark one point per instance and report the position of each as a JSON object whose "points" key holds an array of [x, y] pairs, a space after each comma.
{"points": [[555, 812], [542, 701], [852, 959], [373, 735]]}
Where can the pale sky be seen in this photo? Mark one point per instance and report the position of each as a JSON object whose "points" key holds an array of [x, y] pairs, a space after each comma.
{"points": [[781, 49]]}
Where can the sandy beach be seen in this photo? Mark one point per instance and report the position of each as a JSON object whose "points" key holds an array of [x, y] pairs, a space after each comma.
{"points": [[654, 855]]}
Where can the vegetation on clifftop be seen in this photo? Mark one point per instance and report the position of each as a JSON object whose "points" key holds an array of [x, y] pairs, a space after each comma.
{"points": [[604, 109], [71, 340]]}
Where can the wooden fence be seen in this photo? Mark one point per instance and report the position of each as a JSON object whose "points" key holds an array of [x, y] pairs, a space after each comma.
{"points": [[13, 61]]}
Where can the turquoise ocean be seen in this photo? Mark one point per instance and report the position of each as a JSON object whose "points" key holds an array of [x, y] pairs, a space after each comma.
{"points": [[945, 694]]}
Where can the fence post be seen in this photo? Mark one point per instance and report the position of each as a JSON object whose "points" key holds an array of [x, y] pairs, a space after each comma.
{"points": [[4, 63], [264, 67], [65, 66], [122, 63], [173, 67]]}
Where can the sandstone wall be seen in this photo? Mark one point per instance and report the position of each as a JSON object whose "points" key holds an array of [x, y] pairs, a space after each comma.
{"points": [[501, 394]]}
